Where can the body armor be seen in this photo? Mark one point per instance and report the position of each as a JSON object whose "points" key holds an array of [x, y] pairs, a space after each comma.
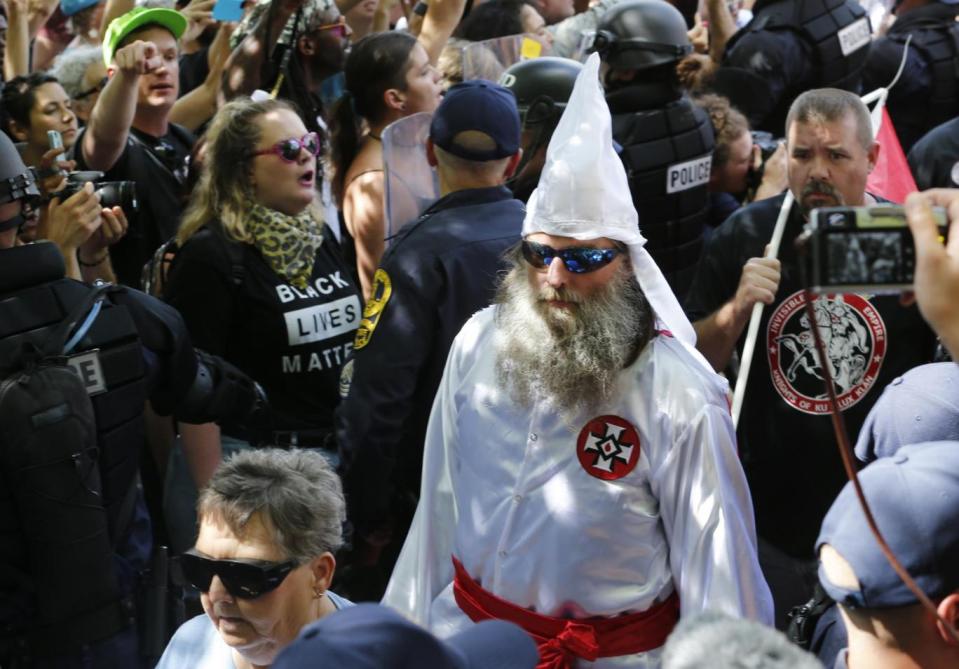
{"points": [[937, 40], [667, 151], [55, 554], [837, 33]]}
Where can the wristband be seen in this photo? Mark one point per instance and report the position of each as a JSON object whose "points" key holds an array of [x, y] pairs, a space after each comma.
{"points": [[97, 263]]}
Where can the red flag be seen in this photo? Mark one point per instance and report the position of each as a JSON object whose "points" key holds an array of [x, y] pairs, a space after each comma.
{"points": [[891, 178]]}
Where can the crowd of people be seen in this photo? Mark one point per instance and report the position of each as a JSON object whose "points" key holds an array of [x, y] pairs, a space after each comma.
{"points": [[479, 333]]}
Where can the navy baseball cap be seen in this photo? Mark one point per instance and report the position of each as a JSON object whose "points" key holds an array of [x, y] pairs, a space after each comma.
{"points": [[914, 496], [921, 405], [370, 636], [480, 106]]}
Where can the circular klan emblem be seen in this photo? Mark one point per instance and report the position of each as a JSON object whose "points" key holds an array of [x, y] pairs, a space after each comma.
{"points": [[854, 339], [608, 447]]}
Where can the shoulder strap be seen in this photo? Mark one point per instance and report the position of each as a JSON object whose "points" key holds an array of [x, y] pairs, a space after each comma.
{"points": [[57, 342]]}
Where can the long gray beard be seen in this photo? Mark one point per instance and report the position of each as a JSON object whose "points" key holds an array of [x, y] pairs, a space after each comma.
{"points": [[567, 359]]}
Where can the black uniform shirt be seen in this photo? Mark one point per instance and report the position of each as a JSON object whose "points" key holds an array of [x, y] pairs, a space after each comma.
{"points": [[934, 159]]}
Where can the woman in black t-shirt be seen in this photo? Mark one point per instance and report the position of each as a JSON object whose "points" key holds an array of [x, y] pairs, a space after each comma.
{"points": [[259, 279]]}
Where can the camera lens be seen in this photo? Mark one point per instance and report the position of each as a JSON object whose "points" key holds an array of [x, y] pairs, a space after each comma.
{"points": [[121, 194]]}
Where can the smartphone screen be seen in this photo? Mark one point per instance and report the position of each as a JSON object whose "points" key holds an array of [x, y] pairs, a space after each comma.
{"points": [[228, 10]]}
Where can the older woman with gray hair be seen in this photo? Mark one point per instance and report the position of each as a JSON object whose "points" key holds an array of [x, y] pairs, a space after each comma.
{"points": [[269, 523], [83, 75]]}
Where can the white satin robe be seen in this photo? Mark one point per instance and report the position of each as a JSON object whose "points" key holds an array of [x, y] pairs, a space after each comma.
{"points": [[504, 490]]}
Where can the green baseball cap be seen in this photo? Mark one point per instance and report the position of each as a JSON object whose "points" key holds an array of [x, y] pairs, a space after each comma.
{"points": [[138, 18]]}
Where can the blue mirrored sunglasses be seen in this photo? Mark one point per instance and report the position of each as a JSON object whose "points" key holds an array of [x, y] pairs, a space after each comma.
{"points": [[577, 259]]}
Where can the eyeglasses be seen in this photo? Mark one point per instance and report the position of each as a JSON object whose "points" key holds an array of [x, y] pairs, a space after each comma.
{"points": [[289, 149], [96, 89], [339, 28], [247, 579], [578, 259]]}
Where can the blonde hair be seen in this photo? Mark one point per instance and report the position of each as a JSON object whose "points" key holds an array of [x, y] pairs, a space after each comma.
{"points": [[223, 192]]}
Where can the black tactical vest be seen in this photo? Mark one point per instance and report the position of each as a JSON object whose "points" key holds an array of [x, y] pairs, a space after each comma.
{"points": [[667, 151], [110, 363], [938, 43], [837, 31]]}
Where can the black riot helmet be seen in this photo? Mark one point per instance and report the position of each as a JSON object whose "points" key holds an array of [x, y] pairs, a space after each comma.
{"points": [[16, 181], [542, 87], [642, 34]]}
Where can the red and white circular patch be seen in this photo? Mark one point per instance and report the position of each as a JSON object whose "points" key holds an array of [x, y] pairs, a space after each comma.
{"points": [[855, 341], [608, 447]]}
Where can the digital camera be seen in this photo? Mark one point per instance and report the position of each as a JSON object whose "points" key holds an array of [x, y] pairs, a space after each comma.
{"points": [[121, 194], [862, 249]]}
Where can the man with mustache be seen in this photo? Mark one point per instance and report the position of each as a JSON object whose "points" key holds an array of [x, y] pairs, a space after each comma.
{"points": [[580, 464], [785, 433]]}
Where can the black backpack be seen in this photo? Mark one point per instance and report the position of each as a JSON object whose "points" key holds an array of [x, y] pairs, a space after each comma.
{"points": [[50, 484]]}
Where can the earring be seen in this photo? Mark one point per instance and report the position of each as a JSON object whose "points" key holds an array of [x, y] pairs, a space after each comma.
{"points": [[317, 592]]}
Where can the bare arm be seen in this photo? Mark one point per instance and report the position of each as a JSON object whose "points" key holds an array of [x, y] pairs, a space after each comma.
{"points": [[440, 21], [381, 18], [38, 14], [365, 219], [94, 255], [16, 53], [199, 105], [722, 26], [717, 334], [112, 116]]}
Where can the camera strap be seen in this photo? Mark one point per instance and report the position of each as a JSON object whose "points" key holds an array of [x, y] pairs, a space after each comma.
{"points": [[155, 158]]}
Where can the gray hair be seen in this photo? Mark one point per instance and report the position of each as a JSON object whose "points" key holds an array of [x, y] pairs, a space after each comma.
{"points": [[297, 492], [718, 641], [72, 64], [825, 105]]}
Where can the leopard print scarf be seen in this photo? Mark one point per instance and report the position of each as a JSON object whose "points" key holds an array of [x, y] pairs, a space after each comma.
{"points": [[288, 243]]}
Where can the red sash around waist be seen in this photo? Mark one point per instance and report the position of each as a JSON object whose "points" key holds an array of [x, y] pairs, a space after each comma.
{"points": [[560, 640]]}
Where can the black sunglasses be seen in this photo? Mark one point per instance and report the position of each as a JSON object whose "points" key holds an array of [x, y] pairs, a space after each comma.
{"points": [[96, 89], [577, 259], [247, 579]]}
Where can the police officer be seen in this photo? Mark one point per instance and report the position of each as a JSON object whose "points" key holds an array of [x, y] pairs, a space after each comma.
{"points": [[789, 47], [542, 87], [927, 92], [439, 271], [667, 141], [74, 535]]}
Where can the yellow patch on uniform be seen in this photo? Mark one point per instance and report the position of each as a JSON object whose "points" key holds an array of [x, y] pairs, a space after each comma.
{"points": [[380, 295]]}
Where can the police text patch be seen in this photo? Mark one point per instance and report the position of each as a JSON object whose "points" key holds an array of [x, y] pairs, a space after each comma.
{"points": [[854, 36], [692, 173], [88, 368]]}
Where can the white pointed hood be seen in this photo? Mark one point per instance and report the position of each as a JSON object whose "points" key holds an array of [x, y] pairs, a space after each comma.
{"points": [[583, 193]]}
